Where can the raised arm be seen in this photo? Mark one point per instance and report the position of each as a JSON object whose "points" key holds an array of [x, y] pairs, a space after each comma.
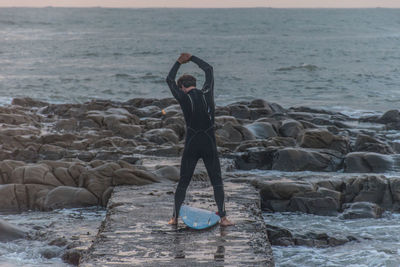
{"points": [[208, 86], [172, 83]]}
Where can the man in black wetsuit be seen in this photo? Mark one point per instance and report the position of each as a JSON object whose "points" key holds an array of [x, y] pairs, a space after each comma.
{"points": [[198, 109]]}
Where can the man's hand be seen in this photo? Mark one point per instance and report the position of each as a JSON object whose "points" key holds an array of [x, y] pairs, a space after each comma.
{"points": [[184, 58]]}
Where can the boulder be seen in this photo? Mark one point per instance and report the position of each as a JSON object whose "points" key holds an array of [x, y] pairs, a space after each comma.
{"points": [[19, 197], [239, 111], [370, 144], [325, 206], [255, 158], [276, 141], [367, 189], [51, 152], [161, 136], [284, 189], [69, 197], [34, 174], [261, 130], [168, 172], [28, 102], [319, 138], [360, 210], [291, 128], [390, 117], [126, 176], [364, 162], [9, 232], [296, 159]]}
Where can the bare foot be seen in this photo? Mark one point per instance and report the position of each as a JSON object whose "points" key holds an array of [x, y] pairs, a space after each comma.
{"points": [[225, 222], [173, 221]]}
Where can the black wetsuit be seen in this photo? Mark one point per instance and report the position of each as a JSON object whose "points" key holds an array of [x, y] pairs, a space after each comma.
{"points": [[198, 109]]}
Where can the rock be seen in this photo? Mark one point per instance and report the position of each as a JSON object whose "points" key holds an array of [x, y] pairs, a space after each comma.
{"points": [[51, 152], [255, 158], [291, 128], [221, 120], [360, 210], [270, 142], [68, 125], [296, 159], [127, 130], [133, 177], [63, 175], [6, 169], [9, 232], [168, 172], [284, 189], [239, 111], [69, 197], [28, 102], [325, 206], [98, 179], [234, 133], [390, 117], [261, 130], [20, 197], [279, 236], [34, 174], [366, 189], [362, 162], [370, 144], [161, 136], [318, 138], [72, 256], [394, 183]]}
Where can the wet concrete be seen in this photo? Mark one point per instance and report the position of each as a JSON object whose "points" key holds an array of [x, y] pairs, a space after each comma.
{"points": [[135, 231]]}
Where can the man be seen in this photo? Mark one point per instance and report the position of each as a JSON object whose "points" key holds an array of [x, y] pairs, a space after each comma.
{"points": [[198, 109]]}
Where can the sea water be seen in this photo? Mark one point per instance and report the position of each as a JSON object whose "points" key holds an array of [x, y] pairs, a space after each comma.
{"points": [[334, 58]]}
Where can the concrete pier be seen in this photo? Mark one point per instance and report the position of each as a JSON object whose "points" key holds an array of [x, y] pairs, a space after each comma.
{"points": [[135, 231]]}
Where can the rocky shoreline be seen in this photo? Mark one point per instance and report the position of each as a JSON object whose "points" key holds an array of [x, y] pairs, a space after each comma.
{"points": [[73, 155]]}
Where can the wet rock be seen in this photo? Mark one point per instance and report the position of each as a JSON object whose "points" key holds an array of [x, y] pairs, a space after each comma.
{"points": [[20, 197], [325, 206], [68, 125], [291, 128], [126, 176], [255, 158], [390, 116], [34, 174], [261, 130], [279, 236], [284, 189], [239, 111], [363, 162], [28, 102], [366, 189], [296, 159], [9, 232], [319, 138], [51, 152], [69, 197], [221, 120], [270, 142], [161, 136], [168, 172], [370, 144], [72, 256], [234, 133], [360, 210]]}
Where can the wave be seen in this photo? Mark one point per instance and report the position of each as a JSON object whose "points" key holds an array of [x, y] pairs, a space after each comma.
{"points": [[308, 67]]}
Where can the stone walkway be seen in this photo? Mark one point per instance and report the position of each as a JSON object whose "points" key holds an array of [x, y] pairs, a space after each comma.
{"points": [[135, 231]]}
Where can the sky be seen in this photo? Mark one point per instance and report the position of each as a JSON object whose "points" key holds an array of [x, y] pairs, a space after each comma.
{"points": [[205, 3]]}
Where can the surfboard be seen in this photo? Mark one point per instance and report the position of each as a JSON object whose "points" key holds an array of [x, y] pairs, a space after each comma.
{"points": [[198, 218]]}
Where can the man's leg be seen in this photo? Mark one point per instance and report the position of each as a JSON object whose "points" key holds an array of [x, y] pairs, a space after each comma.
{"points": [[211, 161], [188, 164]]}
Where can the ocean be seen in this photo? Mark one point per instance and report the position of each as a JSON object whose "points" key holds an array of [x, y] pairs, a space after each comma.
{"points": [[341, 59]]}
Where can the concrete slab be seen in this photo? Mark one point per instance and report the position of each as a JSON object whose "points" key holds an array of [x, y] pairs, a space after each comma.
{"points": [[135, 231]]}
